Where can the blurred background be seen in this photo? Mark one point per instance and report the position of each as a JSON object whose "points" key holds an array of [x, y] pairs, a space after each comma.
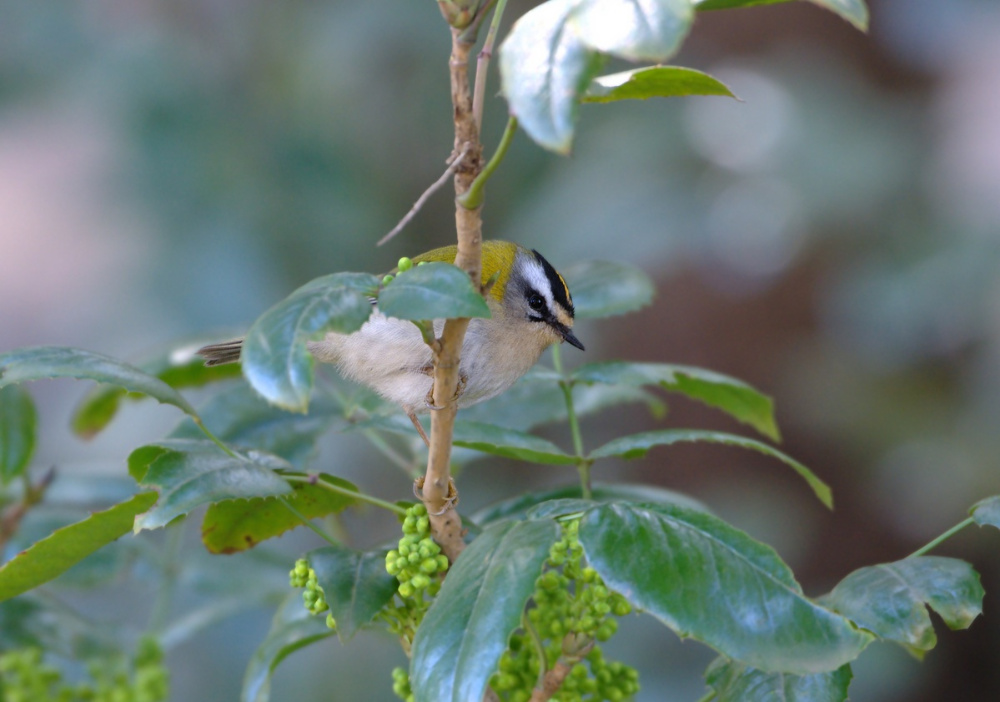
{"points": [[174, 168]]}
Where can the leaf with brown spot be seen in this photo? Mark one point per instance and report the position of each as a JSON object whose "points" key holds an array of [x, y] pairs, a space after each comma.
{"points": [[238, 525]]}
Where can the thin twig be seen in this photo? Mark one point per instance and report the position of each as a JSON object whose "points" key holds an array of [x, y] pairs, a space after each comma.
{"points": [[437, 185], [483, 65], [473, 197]]}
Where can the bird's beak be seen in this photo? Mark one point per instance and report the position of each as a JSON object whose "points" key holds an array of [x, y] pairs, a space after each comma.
{"points": [[568, 336]]}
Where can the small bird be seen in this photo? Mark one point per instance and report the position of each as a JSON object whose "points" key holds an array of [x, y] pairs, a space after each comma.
{"points": [[531, 309]]}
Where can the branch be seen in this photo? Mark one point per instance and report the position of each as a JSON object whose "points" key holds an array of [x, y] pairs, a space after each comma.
{"points": [[555, 676], [483, 64], [452, 167]]}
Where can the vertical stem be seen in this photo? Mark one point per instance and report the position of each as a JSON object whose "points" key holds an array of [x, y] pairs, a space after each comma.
{"points": [[483, 64], [583, 464]]}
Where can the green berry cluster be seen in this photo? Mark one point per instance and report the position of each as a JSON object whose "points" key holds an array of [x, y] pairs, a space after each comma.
{"points": [[401, 684], [572, 610], [313, 596], [404, 265], [25, 677], [418, 557]]}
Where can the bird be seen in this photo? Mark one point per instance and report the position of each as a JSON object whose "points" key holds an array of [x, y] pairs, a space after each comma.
{"points": [[531, 309]]}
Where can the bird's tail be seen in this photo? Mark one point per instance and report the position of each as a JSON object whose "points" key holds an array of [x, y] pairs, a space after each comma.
{"points": [[217, 354]]}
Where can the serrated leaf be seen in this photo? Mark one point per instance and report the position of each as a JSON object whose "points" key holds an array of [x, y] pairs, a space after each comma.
{"points": [[987, 512], [510, 443], [854, 11], [18, 420], [41, 362], [355, 585], [732, 681], [734, 397], [518, 507], [544, 67], [275, 358], [432, 291], [889, 599], [65, 547], [709, 581], [655, 81], [177, 365], [635, 30], [638, 445], [236, 525], [291, 629], [460, 641], [241, 417], [188, 473], [606, 288]]}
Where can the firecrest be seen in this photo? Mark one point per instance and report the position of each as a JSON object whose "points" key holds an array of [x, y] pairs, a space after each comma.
{"points": [[531, 309]]}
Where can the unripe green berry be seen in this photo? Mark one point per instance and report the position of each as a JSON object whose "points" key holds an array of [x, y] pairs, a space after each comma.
{"points": [[387, 279], [404, 264], [420, 581], [331, 623], [429, 565], [406, 589], [442, 562]]}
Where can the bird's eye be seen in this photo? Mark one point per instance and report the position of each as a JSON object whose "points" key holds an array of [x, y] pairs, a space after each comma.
{"points": [[536, 301]]}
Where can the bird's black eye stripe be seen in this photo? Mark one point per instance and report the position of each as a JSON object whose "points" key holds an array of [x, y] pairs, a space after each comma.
{"points": [[560, 291]]}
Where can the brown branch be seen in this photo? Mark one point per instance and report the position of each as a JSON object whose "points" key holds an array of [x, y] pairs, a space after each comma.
{"points": [[10, 520], [438, 493], [574, 650]]}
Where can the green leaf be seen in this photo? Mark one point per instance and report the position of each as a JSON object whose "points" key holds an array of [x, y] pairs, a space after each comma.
{"points": [[635, 30], [460, 641], [518, 507], [40, 362], [17, 432], [544, 67], [889, 599], [275, 358], [291, 629], [711, 582], [732, 681], [188, 473], [854, 11], [606, 288], [655, 81], [734, 397], [987, 512], [65, 547], [432, 291], [240, 417], [177, 365], [355, 584], [637, 445], [510, 443], [236, 525]]}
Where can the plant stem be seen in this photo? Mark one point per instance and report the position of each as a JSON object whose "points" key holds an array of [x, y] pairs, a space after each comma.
{"points": [[483, 65], [216, 440], [307, 522], [318, 480], [947, 535], [386, 450], [583, 464], [473, 198]]}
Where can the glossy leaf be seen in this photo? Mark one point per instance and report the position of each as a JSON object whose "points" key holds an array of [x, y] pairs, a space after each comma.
{"points": [[734, 397], [518, 507], [40, 362], [18, 420], [275, 358], [241, 417], [635, 30], [177, 365], [236, 525], [291, 629], [987, 512], [606, 288], [459, 644], [732, 681], [188, 473], [65, 547], [355, 584], [854, 11], [637, 445], [891, 599], [432, 291], [544, 67], [655, 81], [509, 443], [711, 582]]}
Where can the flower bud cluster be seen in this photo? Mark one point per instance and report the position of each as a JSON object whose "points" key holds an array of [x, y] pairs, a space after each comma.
{"points": [[572, 610], [418, 558], [313, 597]]}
